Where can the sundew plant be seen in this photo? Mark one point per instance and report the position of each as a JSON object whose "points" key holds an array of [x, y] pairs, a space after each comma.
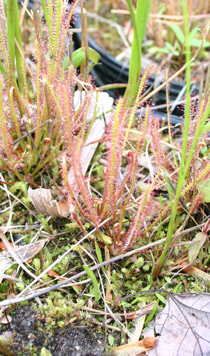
{"points": [[139, 177], [30, 122]]}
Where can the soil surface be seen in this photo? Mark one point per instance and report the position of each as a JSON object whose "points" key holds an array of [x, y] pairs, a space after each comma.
{"points": [[30, 334]]}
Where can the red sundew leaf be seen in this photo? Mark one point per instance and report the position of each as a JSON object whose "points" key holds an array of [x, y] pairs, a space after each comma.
{"points": [[207, 227], [117, 300]]}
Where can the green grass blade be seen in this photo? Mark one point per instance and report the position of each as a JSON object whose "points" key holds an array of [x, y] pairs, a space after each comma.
{"points": [[47, 17], [11, 32], [182, 169], [99, 255], [139, 22], [18, 57], [94, 281]]}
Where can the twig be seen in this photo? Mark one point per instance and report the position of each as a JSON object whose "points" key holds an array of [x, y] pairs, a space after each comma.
{"points": [[78, 275], [106, 325], [30, 132]]}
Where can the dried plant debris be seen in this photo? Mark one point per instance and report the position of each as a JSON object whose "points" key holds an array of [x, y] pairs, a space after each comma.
{"points": [[17, 254], [43, 203], [134, 348], [4, 350], [182, 326]]}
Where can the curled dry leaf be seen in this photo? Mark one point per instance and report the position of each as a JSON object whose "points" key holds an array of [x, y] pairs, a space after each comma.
{"points": [[5, 319], [194, 249], [15, 254], [43, 203], [183, 326], [196, 273], [134, 348]]}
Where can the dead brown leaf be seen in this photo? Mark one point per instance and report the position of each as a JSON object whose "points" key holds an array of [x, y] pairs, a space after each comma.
{"points": [[196, 273], [182, 326], [195, 248], [17, 254]]}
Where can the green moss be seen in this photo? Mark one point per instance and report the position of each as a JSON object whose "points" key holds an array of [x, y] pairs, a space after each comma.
{"points": [[72, 226], [56, 309], [26, 201], [37, 265], [147, 267], [22, 186], [45, 223]]}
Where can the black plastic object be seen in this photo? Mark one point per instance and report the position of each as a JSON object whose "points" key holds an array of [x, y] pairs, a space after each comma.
{"points": [[109, 71]]}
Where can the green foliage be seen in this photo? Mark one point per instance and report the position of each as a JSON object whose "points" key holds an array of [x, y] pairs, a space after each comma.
{"points": [[72, 226], [99, 256], [79, 57], [193, 41], [45, 352], [116, 282], [20, 286], [111, 339], [56, 308], [152, 313], [13, 32], [204, 188], [37, 265], [166, 36], [180, 42], [112, 198], [22, 186], [44, 222], [139, 21], [94, 281]]}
